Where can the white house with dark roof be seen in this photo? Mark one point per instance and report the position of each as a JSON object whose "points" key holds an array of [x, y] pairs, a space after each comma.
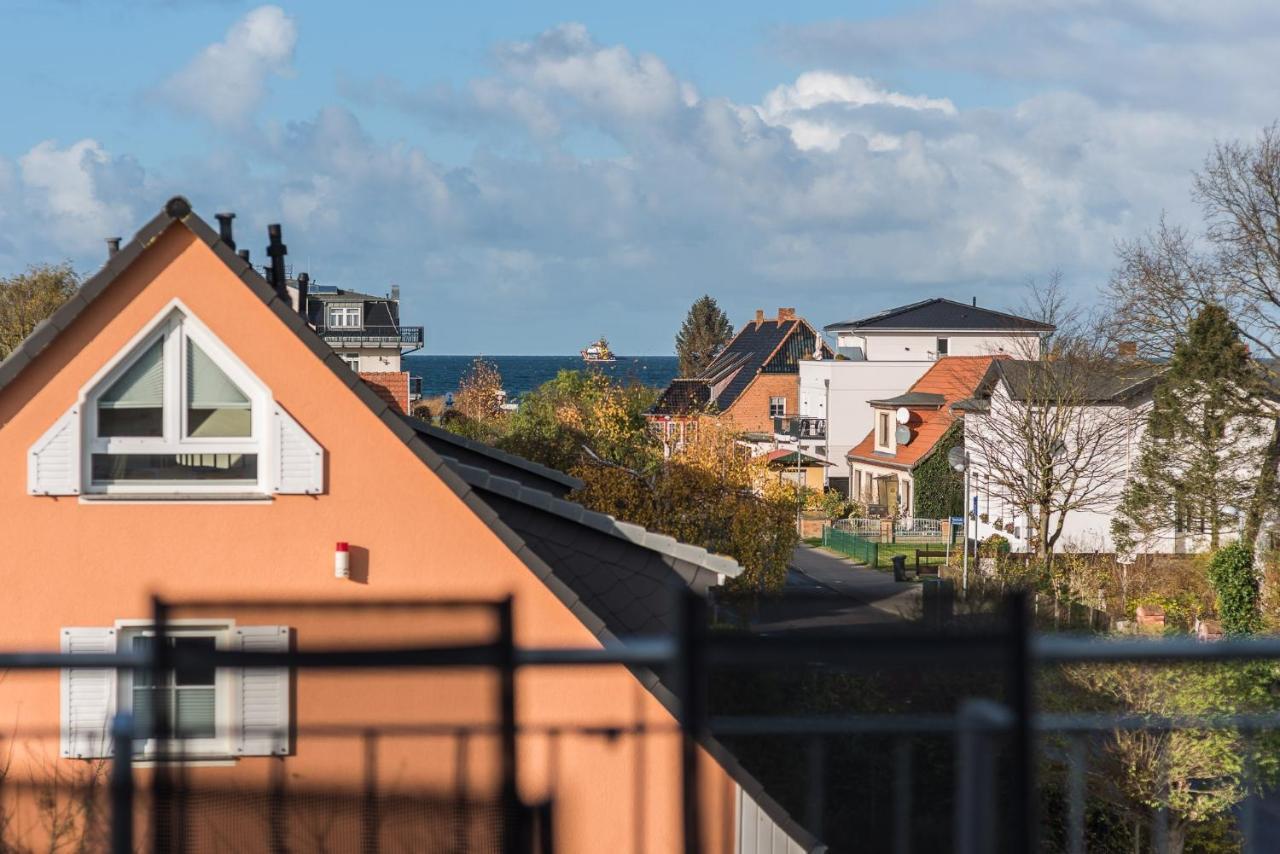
{"points": [[883, 355]]}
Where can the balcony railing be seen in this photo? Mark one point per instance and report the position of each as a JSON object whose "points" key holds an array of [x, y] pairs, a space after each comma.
{"points": [[406, 338], [415, 387], [801, 427]]}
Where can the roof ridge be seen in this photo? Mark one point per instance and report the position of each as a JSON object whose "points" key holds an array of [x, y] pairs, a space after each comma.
{"points": [[639, 535]]}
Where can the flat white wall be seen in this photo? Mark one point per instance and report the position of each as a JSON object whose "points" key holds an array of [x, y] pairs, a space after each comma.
{"points": [[853, 385], [913, 346], [372, 360]]}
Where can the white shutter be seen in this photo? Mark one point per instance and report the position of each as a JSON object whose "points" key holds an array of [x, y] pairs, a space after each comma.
{"points": [[88, 695], [53, 463], [299, 458], [263, 704]]}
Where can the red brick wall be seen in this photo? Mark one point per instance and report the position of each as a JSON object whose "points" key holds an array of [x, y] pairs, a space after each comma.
{"points": [[751, 410], [391, 386]]}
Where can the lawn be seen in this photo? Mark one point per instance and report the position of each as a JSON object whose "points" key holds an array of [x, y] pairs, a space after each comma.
{"points": [[888, 550]]}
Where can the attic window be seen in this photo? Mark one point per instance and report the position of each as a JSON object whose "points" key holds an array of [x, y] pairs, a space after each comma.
{"points": [[177, 415], [178, 411], [344, 317]]}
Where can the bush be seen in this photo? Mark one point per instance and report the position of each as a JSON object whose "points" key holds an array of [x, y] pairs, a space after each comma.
{"points": [[1236, 585], [993, 546]]}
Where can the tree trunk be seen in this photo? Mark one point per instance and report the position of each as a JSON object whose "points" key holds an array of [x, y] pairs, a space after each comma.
{"points": [[1264, 491]]}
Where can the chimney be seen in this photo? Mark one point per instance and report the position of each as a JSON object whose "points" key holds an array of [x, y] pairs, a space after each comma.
{"points": [[759, 317], [224, 228], [975, 302], [276, 250], [244, 255], [304, 287], [113, 246], [786, 314], [395, 293], [1127, 349]]}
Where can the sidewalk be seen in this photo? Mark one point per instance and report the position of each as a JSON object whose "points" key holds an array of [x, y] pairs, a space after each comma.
{"points": [[846, 576], [833, 593]]}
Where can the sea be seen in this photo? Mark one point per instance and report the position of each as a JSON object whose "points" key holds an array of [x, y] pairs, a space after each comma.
{"points": [[521, 374]]}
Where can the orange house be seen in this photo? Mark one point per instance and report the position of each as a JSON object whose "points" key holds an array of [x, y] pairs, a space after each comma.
{"points": [[178, 428]]}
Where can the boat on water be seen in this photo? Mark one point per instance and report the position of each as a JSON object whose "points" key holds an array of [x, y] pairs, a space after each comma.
{"points": [[598, 352]]}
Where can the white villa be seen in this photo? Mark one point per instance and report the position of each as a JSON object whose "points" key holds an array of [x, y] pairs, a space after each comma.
{"points": [[884, 355]]}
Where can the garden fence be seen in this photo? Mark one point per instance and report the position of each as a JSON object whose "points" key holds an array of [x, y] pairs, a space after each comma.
{"points": [[851, 544]]}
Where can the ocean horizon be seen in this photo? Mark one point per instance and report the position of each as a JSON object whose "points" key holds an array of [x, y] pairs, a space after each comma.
{"points": [[441, 374]]}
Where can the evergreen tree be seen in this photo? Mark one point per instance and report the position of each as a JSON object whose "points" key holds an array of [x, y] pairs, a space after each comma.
{"points": [[704, 333], [1206, 441]]}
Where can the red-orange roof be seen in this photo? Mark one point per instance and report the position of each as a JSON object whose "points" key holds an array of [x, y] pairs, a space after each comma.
{"points": [[956, 378]]}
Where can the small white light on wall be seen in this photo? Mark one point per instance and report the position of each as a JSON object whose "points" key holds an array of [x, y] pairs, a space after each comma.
{"points": [[342, 561]]}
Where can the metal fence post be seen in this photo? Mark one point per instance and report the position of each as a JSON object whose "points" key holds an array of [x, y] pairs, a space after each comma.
{"points": [[1022, 812], [122, 784], [692, 684], [975, 777], [507, 719]]}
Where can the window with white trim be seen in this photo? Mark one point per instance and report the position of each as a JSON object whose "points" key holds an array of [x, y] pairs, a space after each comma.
{"points": [[176, 411], [344, 316], [212, 712], [884, 432], [352, 360], [777, 407], [942, 348]]}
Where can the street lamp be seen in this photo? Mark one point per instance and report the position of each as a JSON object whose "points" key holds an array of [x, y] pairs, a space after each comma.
{"points": [[958, 459]]}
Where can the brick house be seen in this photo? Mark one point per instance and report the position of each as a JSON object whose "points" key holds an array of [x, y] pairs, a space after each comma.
{"points": [[752, 382]]}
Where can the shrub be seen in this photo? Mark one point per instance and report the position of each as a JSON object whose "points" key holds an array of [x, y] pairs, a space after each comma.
{"points": [[1236, 585], [993, 546]]}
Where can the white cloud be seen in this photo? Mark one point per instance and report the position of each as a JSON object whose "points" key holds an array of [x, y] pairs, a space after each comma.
{"points": [[227, 81], [77, 195]]}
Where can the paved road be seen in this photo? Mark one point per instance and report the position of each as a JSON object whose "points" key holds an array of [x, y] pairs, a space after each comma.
{"points": [[826, 591]]}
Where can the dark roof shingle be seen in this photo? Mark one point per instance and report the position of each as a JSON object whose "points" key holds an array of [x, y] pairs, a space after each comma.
{"points": [[941, 315]]}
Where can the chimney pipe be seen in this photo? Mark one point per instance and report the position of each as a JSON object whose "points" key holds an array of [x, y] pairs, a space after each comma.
{"points": [[975, 302], [304, 286], [224, 228], [276, 250], [395, 293], [244, 255], [113, 246]]}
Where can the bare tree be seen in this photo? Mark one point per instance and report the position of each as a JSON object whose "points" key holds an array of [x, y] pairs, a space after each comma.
{"points": [[1053, 437], [1239, 192], [1161, 283]]}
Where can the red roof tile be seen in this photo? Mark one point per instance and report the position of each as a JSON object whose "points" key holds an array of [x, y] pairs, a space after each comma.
{"points": [[955, 378]]}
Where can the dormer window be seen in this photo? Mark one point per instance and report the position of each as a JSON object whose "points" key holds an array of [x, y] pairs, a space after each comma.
{"points": [[884, 432], [344, 317], [174, 411]]}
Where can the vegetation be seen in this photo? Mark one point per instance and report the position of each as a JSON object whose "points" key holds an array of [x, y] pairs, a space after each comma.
{"points": [[30, 297], [711, 493], [939, 487], [705, 331], [1204, 445], [1236, 584]]}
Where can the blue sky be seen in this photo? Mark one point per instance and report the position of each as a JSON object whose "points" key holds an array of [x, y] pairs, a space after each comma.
{"points": [[534, 175]]}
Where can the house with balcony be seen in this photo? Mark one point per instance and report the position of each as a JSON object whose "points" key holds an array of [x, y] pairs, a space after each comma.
{"points": [[751, 383], [881, 356], [909, 429], [366, 333]]}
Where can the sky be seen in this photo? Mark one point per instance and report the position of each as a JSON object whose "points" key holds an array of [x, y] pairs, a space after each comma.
{"points": [[535, 175]]}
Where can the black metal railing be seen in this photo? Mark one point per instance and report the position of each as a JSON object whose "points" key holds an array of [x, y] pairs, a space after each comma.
{"points": [[982, 754], [800, 427], [407, 338]]}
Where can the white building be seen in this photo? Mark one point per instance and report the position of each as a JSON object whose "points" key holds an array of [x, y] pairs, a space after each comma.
{"points": [[883, 355]]}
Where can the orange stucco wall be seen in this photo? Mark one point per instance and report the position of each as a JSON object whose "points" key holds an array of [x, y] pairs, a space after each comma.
{"points": [[66, 562]]}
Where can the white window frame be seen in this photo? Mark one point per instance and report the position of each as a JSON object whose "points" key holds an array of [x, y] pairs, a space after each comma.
{"points": [[344, 312], [885, 418], [176, 324], [226, 686], [938, 345], [781, 404], [352, 360]]}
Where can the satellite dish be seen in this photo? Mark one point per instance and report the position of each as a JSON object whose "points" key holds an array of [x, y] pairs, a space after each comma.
{"points": [[903, 415], [956, 458], [903, 435]]}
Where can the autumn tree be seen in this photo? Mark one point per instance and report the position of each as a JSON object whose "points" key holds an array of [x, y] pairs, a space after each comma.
{"points": [[584, 412], [28, 298], [705, 331], [1205, 443], [477, 412]]}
